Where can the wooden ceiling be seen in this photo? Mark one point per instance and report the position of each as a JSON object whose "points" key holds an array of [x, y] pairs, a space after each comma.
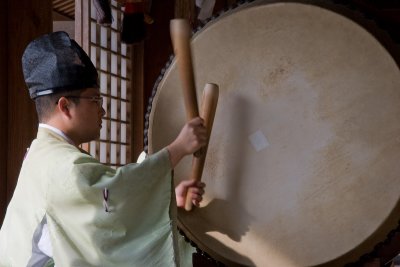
{"points": [[65, 8]]}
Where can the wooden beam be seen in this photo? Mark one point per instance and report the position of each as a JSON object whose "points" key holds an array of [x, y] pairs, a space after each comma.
{"points": [[82, 26]]}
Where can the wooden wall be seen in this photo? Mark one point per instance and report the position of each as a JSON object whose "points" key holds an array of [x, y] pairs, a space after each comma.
{"points": [[158, 46], [3, 108], [21, 22]]}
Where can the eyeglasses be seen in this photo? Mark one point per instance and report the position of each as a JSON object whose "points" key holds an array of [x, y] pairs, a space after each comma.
{"points": [[97, 99]]}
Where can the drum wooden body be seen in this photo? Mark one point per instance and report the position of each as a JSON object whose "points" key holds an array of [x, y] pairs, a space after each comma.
{"points": [[303, 162]]}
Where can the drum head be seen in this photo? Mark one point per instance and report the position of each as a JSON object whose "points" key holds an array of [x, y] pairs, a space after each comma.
{"points": [[303, 162]]}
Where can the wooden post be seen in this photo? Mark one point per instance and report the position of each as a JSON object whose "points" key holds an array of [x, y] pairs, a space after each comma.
{"points": [[21, 22], [137, 101], [3, 108]]}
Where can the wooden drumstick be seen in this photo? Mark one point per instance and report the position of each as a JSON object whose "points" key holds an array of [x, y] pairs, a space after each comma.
{"points": [[180, 35], [208, 108]]}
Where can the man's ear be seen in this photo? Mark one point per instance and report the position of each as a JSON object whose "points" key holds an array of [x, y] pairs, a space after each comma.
{"points": [[63, 105]]}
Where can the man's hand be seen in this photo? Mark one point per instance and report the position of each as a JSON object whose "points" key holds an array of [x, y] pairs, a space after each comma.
{"points": [[192, 137], [196, 192]]}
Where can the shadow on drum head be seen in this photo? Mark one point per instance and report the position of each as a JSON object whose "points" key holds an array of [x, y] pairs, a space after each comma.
{"points": [[224, 225], [224, 219]]}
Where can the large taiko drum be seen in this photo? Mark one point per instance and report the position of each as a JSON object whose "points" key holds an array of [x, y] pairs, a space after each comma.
{"points": [[303, 165]]}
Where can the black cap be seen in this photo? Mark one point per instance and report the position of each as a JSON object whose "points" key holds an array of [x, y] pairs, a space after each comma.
{"points": [[54, 63]]}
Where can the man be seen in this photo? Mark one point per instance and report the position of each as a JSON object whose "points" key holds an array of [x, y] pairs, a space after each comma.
{"points": [[68, 209]]}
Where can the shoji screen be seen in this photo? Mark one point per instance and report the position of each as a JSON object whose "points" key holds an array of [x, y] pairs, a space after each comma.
{"points": [[112, 59]]}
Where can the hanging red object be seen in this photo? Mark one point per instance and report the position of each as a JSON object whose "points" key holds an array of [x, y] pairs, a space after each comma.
{"points": [[133, 25]]}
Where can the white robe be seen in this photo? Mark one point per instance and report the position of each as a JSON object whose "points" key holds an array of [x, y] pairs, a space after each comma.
{"points": [[62, 187]]}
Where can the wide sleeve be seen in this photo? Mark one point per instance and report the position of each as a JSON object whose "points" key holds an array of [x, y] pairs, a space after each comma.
{"points": [[135, 230]]}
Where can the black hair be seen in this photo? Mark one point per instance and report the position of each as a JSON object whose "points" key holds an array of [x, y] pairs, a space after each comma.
{"points": [[45, 104]]}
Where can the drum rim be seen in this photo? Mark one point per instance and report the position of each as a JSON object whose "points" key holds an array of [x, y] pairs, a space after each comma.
{"points": [[392, 222]]}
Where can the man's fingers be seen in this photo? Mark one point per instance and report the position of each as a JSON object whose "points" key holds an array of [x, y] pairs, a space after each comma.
{"points": [[197, 191], [189, 183], [189, 188], [196, 121], [194, 186]]}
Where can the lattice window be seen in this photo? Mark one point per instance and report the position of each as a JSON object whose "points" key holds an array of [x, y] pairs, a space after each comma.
{"points": [[112, 59]]}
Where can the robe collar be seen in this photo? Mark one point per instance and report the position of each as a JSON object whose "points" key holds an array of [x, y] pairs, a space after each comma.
{"points": [[57, 131]]}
